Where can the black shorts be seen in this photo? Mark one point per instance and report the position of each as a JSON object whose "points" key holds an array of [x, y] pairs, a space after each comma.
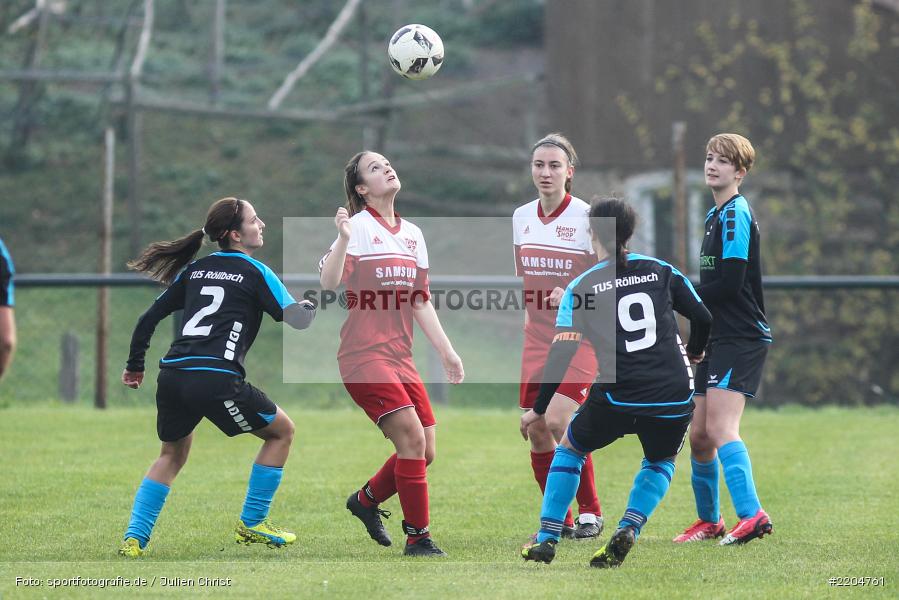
{"points": [[596, 425], [732, 364], [183, 398]]}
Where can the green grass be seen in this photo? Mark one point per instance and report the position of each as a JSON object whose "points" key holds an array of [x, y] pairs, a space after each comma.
{"points": [[827, 478]]}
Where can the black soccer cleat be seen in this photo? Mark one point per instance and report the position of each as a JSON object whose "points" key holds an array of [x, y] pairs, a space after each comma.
{"points": [[423, 547], [543, 552], [613, 553], [568, 533], [371, 518], [586, 531]]}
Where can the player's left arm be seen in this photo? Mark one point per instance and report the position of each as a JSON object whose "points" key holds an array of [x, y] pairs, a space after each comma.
{"points": [[7, 315], [278, 302], [569, 333], [427, 319], [736, 232], [7, 337], [169, 301]]}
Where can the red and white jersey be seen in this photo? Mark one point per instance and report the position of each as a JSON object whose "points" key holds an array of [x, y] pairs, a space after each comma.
{"points": [[550, 251], [385, 271]]}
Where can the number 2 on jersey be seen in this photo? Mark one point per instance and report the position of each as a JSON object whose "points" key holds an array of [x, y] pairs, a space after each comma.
{"points": [[647, 323], [192, 327]]}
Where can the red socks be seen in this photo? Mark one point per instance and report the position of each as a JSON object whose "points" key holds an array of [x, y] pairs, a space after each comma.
{"points": [[412, 487], [540, 462], [380, 487], [587, 500]]}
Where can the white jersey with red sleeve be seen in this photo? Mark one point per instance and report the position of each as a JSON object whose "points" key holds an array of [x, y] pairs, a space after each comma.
{"points": [[385, 271], [550, 251]]}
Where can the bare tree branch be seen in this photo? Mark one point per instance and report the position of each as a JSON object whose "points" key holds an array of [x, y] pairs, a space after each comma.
{"points": [[56, 7], [326, 42], [143, 43]]}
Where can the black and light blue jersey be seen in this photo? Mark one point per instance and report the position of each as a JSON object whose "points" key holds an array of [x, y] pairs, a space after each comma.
{"points": [[732, 234], [7, 272], [223, 296], [643, 348]]}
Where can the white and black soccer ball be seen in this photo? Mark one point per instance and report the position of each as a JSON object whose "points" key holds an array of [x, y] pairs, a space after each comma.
{"points": [[415, 51]]}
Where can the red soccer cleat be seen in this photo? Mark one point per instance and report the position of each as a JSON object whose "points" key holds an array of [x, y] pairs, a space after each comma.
{"points": [[701, 530], [747, 530]]}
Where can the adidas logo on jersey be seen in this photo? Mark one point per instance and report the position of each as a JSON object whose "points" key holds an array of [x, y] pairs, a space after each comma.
{"points": [[527, 229], [376, 240]]}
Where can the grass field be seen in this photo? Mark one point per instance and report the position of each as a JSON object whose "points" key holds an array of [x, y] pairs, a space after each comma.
{"points": [[827, 477]]}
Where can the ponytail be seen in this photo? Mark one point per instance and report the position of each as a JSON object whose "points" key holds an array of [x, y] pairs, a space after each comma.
{"points": [[164, 260]]}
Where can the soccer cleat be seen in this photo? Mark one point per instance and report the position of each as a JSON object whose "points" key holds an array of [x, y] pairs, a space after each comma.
{"points": [[265, 532], [585, 531], [131, 548], [568, 533], [702, 530], [423, 547], [371, 518], [756, 526], [543, 552], [613, 553]]}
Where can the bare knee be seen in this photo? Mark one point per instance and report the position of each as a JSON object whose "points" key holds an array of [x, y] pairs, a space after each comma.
{"points": [[700, 440], [410, 440], [287, 431], [541, 437], [557, 425], [174, 458]]}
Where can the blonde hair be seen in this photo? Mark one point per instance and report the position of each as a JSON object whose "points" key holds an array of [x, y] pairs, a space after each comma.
{"points": [[559, 141], [734, 147]]}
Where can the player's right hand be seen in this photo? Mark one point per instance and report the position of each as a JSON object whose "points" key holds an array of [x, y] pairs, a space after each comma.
{"points": [[528, 419], [342, 222], [132, 379], [695, 359]]}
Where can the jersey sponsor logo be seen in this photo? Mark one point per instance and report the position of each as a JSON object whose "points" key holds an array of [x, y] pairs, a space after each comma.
{"points": [[376, 240], [396, 271], [218, 275], [544, 262], [565, 233], [706, 263]]}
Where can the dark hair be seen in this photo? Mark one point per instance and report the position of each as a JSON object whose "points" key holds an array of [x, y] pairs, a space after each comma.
{"points": [[355, 203], [625, 223], [564, 144], [164, 260]]}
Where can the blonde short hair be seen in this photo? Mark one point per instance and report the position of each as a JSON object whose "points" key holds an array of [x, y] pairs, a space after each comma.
{"points": [[735, 147]]}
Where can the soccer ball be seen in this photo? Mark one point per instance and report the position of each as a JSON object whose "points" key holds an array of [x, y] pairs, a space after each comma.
{"points": [[415, 51]]}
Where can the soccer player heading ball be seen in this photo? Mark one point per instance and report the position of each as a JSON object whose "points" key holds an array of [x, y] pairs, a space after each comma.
{"points": [[382, 260], [223, 296], [730, 273], [652, 392], [552, 247]]}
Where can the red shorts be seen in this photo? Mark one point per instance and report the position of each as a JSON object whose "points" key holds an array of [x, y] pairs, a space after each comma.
{"points": [[578, 379], [382, 386]]}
